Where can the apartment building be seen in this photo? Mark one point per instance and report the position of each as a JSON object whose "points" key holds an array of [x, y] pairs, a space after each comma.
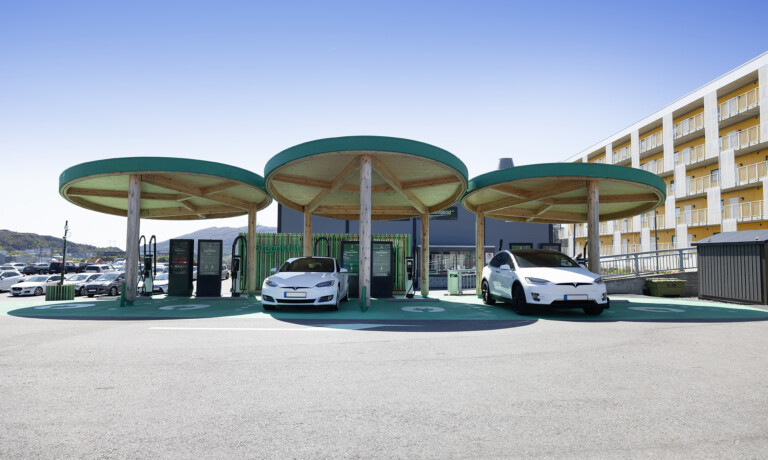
{"points": [[710, 147]]}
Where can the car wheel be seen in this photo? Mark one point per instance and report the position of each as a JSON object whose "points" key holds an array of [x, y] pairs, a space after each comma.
{"points": [[81, 291], [39, 291], [593, 311], [487, 298], [346, 296], [113, 291], [519, 304], [335, 307]]}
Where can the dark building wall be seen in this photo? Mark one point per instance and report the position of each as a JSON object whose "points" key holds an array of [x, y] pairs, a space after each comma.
{"points": [[459, 232]]}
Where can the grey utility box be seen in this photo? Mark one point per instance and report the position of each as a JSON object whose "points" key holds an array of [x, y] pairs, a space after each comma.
{"points": [[732, 266]]}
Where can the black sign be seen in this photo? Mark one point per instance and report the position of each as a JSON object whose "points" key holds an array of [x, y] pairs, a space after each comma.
{"points": [[209, 258], [451, 213]]}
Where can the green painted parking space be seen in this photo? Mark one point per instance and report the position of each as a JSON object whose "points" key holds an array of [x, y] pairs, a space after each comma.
{"points": [[439, 308]]}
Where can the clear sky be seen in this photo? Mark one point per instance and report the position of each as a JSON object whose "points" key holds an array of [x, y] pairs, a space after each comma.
{"points": [[239, 81]]}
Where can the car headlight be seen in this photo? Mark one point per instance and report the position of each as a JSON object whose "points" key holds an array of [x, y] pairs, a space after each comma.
{"points": [[270, 283], [537, 281], [325, 284], [599, 280]]}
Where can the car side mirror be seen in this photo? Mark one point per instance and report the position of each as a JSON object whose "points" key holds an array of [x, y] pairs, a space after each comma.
{"points": [[505, 267], [273, 270], [343, 270], [582, 265]]}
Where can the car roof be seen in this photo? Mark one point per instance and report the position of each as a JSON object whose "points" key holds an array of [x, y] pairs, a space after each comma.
{"points": [[308, 257], [533, 251]]}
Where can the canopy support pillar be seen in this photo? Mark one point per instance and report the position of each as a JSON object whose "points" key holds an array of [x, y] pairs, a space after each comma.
{"points": [[132, 239], [365, 231], [424, 255], [250, 254], [307, 232], [593, 226], [479, 252]]}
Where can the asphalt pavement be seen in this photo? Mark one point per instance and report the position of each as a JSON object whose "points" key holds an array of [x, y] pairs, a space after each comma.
{"points": [[443, 379]]}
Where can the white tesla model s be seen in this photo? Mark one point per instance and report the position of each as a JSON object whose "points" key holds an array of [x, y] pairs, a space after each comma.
{"points": [[532, 277], [310, 281]]}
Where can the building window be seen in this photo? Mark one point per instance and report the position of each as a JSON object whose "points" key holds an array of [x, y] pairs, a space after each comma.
{"points": [[520, 246], [715, 176]]}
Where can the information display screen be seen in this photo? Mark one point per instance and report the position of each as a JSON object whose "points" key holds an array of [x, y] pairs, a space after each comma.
{"points": [[209, 258], [350, 257], [382, 259], [180, 258]]}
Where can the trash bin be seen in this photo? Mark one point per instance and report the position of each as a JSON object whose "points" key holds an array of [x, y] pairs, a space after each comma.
{"points": [[453, 282], [660, 287]]}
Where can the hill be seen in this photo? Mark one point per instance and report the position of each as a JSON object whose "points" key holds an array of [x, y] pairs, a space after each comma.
{"points": [[226, 234], [11, 241]]}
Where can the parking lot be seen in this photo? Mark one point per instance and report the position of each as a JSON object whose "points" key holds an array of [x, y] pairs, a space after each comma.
{"points": [[446, 379]]}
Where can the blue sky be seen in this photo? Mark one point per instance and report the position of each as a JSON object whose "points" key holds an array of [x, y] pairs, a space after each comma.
{"points": [[237, 82]]}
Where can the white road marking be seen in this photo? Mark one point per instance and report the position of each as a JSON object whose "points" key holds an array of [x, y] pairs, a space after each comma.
{"points": [[319, 327]]}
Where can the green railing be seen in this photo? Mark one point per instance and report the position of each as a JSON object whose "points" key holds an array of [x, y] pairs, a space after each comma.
{"points": [[272, 249]]}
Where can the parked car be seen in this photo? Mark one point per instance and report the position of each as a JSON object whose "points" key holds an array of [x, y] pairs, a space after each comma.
{"points": [[80, 280], [55, 267], [31, 269], [8, 278], [9, 268], [107, 283], [34, 285], [537, 277], [42, 268], [224, 272], [99, 268], [81, 267], [306, 281], [18, 265], [159, 284]]}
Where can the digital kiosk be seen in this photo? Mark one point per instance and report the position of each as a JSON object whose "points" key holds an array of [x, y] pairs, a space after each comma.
{"points": [[382, 274], [180, 271], [209, 268]]}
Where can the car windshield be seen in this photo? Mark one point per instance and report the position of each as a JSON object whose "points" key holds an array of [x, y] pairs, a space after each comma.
{"points": [[107, 277], [543, 259], [77, 277], [162, 276], [308, 264], [8, 274], [37, 279]]}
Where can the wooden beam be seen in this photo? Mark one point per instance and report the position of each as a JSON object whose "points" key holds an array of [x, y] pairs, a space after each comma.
{"points": [[307, 233], [350, 210], [424, 262], [335, 184], [392, 180], [593, 230], [557, 215], [375, 188], [193, 209], [300, 180], [132, 238], [479, 252], [511, 191], [181, 211], [431, 182], [120, 194], [250, 255], [558, 188], [82, 202], [364, 266], [179, 186], [216, 188], [638, 198]]}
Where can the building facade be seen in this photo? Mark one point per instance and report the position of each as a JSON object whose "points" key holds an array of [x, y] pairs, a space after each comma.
{"points": [[710, 147]]}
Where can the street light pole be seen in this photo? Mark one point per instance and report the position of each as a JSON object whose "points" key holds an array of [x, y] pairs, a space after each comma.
{"points": [[64, 258]]}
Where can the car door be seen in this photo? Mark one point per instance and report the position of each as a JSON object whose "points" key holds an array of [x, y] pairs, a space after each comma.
{"points": [[495, 279], [507, 276]]}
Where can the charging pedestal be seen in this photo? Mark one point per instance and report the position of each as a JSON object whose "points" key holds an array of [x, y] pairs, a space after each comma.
{"points": [[238, 268], [148, 285], [209, 268], [409, 271]]}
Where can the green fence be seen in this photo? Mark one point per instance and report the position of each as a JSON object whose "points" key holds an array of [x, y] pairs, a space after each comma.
{"points": [[272, 249], [60, 292]]}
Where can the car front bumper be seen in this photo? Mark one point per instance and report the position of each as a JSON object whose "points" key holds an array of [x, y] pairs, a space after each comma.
{"points": [[301, 296], [24, 291], [96, 290], [567, 296]]}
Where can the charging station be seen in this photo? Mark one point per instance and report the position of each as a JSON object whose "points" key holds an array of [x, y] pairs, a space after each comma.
{"points": [[239, 273]]}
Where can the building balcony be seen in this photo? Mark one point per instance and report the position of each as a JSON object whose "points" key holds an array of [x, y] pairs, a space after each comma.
{"points": [[634, 248], [648, 221], [699, 185], [652, 144], [665, 246], [670, 189], [751, 173], [691, 155], [739, 107], [622, 155], [741, 139], [606, 250], [693, 218], [605, 229], [688, 129], [626, 226], [581, 231], [745, 212]]}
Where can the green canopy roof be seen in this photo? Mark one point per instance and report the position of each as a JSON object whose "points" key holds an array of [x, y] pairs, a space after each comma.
{"points": [[557, 192], [172, 188], [409, 178]]}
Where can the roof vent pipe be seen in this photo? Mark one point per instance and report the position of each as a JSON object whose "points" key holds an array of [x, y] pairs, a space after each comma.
{"points": [[505, 163]]}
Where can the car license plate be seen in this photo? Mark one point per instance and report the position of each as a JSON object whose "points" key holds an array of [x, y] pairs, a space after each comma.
{"points": [[576, 297], [295, 294]]}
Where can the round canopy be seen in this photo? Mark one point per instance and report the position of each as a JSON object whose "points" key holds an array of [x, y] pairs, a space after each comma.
{"points": [[409, 178], [557, 192], [171, 188]]}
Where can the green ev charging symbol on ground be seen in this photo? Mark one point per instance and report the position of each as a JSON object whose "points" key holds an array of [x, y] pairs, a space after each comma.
{"points": [[423, 309], [183, 307], [68, 306]]}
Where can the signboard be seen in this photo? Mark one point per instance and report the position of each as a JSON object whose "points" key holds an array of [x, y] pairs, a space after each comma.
{"points": [[350, 257], [209, 258], [180, 272], [451, 213], [382, 259]]}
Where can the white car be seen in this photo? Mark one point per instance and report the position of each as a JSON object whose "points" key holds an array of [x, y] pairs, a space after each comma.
{"points": [[9, 278], [159, 284], [80, 280], [532, 277], [315, 281], [34, 285]]}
